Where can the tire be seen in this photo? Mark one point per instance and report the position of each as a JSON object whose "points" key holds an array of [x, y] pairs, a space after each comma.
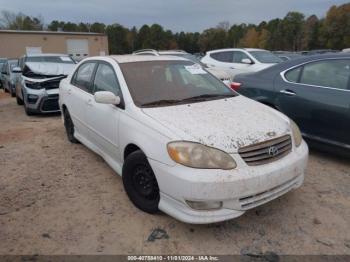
{"points": [[69, 126], [19, 101], [140, 182], [13, 94]]}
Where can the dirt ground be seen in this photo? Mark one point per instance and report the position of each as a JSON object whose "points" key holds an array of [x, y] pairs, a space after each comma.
{"points": [[60, 198]]}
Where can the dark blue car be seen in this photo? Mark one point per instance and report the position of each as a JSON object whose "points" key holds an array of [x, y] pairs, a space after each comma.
{"points": [[314, 91]]}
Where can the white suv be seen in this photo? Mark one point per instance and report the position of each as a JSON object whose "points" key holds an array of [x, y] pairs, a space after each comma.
{"points": [[239, 61], [182, 141], [221, 73]]}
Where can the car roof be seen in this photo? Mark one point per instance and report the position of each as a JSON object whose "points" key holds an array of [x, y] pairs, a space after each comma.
{"points": [[44, 54], [144, 58], [236, 49]]}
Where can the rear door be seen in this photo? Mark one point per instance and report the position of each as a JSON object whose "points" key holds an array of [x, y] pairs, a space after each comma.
{"points": [[317, 96], [103, 119], [78, 95]]}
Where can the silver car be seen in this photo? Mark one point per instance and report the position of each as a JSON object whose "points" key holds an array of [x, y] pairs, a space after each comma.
{"points": [[2, 63], [10, 76], [37, 88]]}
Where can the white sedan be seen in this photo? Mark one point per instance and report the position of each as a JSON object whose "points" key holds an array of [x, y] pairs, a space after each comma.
{"points": [[183, 142]]}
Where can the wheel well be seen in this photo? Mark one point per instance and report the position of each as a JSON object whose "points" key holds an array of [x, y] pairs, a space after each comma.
{"points": [[64, 108], [130, 149], [269, 104]]}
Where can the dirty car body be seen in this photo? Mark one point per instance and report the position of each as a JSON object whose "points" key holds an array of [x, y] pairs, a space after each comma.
{"points": [[38, 85], [214, 153]]}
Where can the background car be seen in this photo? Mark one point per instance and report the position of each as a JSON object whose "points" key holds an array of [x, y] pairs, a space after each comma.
{"points": [[285, 56], [220, 73], [313, 90], [10, 76], [240, 60], [37, 88], [2, 62]]}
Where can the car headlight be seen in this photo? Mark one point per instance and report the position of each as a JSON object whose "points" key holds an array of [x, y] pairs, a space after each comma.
{"points": [[199, 156], [296, 133], [32, 85]]}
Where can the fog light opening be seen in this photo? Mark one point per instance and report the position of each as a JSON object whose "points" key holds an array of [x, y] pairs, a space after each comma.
{"points": [[32, 99], [204, 205]]}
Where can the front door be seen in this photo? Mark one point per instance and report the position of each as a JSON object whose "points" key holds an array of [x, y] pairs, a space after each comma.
{"points": [[78, 95], [317, 97], [103, 119]]}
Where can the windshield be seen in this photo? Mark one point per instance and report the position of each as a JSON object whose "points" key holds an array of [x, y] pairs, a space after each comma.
{"points": [[51, 59], [161, 83], [265, 57], [13, 63]]}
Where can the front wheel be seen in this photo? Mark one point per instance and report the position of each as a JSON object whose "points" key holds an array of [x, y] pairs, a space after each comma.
{"points": [[13, 93], [18, 100], [140, 182]]}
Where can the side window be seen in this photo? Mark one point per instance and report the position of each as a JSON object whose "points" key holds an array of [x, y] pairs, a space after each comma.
{"points": [[293, 75], [238, 56], [330, 73], [106, 80], [225, 57], [83, 76]]}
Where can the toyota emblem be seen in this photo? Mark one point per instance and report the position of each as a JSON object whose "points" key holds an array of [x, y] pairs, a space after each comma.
{"points": [[273, 151]]}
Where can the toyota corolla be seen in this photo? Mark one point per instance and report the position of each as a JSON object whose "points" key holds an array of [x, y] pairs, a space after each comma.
{"points": [[183, 142]]}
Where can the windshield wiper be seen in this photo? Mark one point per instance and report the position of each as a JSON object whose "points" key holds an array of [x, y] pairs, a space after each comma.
{"points": [[207, 96], [189, 99], [162, 102]]}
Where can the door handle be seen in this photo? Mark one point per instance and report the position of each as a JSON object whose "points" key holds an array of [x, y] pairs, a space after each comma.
{"points": [[288, 92], [69, 91]]}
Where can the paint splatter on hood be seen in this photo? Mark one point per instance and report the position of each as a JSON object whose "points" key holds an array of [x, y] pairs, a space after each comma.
{"points": [[227, 124]]}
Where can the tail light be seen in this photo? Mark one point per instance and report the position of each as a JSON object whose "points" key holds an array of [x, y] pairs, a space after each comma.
{"points": [[235, 85]]}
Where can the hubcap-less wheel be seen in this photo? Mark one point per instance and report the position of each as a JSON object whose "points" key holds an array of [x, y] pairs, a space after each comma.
{"points": [[145, 183], [140, 182]]}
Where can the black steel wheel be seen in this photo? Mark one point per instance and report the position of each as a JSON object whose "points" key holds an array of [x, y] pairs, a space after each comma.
{"points": [[140, 182]]}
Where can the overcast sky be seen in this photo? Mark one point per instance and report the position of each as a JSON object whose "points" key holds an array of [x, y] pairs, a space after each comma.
{"points": [[177, 15]]}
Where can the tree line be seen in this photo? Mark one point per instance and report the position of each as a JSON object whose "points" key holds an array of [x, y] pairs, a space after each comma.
{"points": [[294, 32]]}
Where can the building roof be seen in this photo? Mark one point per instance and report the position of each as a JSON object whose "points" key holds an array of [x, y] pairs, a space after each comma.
{"points": [[48, 32]]}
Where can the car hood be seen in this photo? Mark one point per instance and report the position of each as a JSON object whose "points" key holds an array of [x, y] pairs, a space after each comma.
{"points": [[227, 124], [50, 69]]}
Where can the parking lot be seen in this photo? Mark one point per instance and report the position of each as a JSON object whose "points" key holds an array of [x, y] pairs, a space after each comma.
{"points": [[60, 198]]}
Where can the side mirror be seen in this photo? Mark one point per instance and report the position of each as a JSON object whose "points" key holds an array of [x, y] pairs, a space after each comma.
{"points": [[16, 70], [106, 97], [247, 61]]}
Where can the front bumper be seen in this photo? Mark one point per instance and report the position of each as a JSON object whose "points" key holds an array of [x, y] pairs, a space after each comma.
{"points": [[46, 100], [239, 190]]}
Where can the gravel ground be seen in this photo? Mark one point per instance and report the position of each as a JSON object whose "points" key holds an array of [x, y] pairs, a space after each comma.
{"points": [[60, 198]]}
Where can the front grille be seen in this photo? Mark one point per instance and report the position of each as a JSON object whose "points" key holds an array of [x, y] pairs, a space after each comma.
{"points": [[50, 105], [267, 151], [251, 201]]}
